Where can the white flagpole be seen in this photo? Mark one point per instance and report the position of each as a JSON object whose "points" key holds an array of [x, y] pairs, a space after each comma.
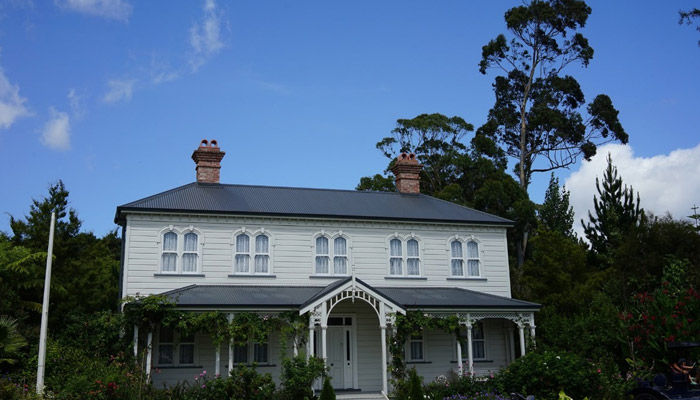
{"points": [[45, 312]]}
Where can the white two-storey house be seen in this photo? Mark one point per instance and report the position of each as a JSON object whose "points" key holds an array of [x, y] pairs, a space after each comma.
{"points": [[350, 260]]}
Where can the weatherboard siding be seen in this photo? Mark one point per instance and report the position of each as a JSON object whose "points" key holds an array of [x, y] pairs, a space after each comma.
{"points": [[292, 258]]}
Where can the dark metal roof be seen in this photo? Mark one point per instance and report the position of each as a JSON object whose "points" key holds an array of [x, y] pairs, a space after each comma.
{"points": [[285, 201], [295, 296], [335, 285]]}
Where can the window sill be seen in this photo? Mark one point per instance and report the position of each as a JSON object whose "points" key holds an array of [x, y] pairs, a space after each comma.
{"points": [[419, 362], [252, 276], [464, 360], [328, 276], [464, 278], [418, 278], [177, 367], [179, 275], [256, 365]]}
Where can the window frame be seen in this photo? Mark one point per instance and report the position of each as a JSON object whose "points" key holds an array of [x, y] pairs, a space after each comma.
{"points": [[404, 257], [409, 348], [464, 259], [251, 346], [180, 251], [332, 254], [464, 342], [252, 252], [176, 346]]}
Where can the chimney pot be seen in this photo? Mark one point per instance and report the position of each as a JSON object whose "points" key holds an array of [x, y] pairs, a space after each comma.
{"points": [[407, 172], [208, 159]]}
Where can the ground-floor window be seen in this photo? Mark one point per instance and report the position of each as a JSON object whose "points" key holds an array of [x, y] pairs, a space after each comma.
{"points": [[478, 342], [175, 349], [415, 348], [251, 352]]}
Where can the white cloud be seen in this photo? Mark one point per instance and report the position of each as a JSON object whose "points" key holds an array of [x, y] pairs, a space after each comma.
{"points": [[111, 9], [77, 105], [12, 105], [665, 183], [161, 72], [119, 90], [205, 36], [56, 133]]}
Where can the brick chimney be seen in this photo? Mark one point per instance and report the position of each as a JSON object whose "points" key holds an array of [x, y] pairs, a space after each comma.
{"points": [[407, 172], [208, 159]]}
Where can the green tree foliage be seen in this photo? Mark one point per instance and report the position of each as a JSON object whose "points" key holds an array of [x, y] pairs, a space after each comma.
{"points": [[327, 393], [556, 214], [11, 341], [669, 313], [537, 118], [687, 17], [85, 268], [616, 214], [537, 113], [557, 262], [643, 253], [377, 183]]}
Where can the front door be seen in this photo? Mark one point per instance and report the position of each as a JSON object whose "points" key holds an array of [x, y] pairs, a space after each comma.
{"points": [[340, 352]]}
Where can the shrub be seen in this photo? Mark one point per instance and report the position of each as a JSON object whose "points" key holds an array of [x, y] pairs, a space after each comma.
{"points": [[415, 385], [466, 385], [327, 393], [298, 375], [545, 374], [244, 383]]}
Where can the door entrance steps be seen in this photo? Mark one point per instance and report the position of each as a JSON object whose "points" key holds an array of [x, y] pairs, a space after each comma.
{"points": [[360, 396]]}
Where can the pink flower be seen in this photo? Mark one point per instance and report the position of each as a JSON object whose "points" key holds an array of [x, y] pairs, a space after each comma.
{"points": [[598, 370]]}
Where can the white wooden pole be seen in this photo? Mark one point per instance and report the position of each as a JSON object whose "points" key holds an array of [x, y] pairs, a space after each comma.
{"points": [[217, 367], [522, 340], [460, 369], [149, 354], [230, 349], [136, 341], [384, 377], [41, 365], [470, 349]]}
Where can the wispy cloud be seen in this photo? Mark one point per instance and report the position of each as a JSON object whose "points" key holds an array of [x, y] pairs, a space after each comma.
{"points": [[205, 36], [12, 105], [77, 104], [275, 87], [161, 72], [111, 9], [665, 182], [119, 90], [56, 132]]}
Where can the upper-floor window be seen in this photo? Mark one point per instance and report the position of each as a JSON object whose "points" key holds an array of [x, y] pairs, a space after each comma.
{"points": [[404, 257], [330, 255], [464, 259], [180, 252], [251, 258]]}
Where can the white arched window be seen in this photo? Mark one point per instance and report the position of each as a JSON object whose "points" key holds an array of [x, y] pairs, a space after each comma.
{"points": [[464, 259], [252, 254], [180, 251], [331, 255], [404, 257]]}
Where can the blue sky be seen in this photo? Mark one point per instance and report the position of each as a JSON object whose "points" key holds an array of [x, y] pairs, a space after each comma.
{"points": [[112, 96]]}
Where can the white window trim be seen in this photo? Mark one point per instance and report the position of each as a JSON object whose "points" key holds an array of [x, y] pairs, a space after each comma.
{"points": [[464, 343], [176, 350], [465, 258], [404, 255], [253, 234], [180, 232], [331, 236], [423, 345], [250, 352]]}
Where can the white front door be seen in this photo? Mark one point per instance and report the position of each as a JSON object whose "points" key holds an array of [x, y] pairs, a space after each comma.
{"points": [[340, 352]]}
